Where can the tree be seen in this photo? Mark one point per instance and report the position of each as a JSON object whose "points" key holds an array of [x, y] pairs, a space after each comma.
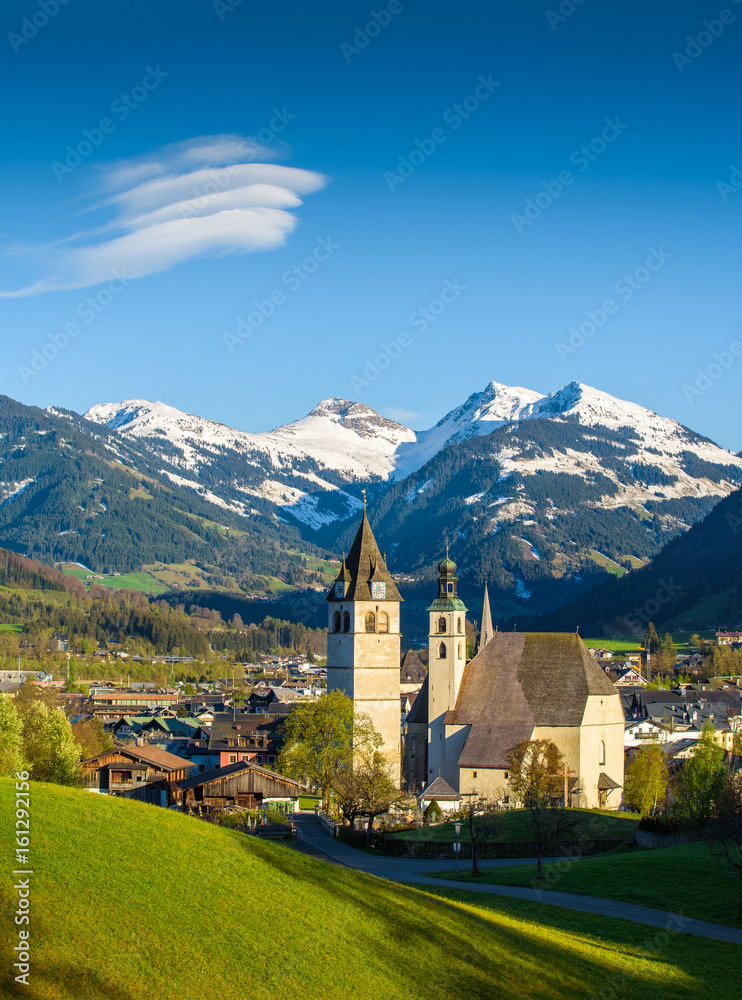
{"points": [[726, 825], [91, 737], [51, 750], [11, 739], [537, 779], [347, 794], [647, 778], [321, 738], [701, 778], [377, 790], [651, 640], [484, 825]]}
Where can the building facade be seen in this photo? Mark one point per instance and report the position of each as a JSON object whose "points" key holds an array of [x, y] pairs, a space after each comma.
{"points": [[363, 642]]}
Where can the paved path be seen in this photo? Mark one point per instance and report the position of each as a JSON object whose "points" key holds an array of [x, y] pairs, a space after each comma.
{"points": [[318, 841]]}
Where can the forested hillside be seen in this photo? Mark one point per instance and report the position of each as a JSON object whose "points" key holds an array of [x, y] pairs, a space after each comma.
{"points": [[72, 491], [694, 582]]}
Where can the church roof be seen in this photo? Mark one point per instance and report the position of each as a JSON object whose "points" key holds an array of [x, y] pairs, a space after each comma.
{"points": [[521, 680], [363, 564], [412, 671]]}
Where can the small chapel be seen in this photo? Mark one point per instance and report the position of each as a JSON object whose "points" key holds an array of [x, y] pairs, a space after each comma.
{"points": [[469, 713]]}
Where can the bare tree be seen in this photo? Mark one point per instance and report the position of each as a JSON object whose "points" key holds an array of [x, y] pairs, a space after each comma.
{"points": [[485, 826], [537, 778], [726, 843], [376, 788]]}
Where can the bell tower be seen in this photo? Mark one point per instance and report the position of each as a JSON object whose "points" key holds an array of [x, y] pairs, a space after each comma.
{"points": [[363, 642], [447, 659]]}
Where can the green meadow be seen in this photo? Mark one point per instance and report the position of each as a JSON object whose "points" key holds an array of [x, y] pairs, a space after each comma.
{"points": [[131, 901]]}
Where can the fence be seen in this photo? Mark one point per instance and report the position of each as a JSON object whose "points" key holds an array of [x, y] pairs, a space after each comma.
{"points": [[653, 840]]}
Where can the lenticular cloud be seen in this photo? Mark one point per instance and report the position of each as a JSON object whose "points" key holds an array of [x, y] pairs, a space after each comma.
{"points": [[207, 196]]}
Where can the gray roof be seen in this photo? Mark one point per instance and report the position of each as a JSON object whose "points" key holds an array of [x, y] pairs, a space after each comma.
{"points": [[412, 671], [520, 681], [242, 765], [440, 789]]}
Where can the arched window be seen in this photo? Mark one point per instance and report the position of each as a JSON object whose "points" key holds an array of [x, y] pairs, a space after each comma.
{"points": [[442, 651], [383, 622], [346, 621], [460, 655], [601, 752], [370, 621], [441, 624], [458, 626], [336, 621]]}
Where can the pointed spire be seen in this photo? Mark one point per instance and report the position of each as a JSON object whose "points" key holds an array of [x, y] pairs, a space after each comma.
{"points": [[486, 631]]}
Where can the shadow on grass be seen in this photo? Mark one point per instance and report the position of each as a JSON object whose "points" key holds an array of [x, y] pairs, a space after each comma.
{"points": [[499, 949]]}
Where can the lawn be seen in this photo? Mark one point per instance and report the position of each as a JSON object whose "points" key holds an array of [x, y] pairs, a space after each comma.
{"points": [[11, 628], [308, 801], [334, 931], [596, 824], [685, 880]]}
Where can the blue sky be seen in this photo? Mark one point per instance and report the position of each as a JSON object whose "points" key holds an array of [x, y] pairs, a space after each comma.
{"points": [[239, 153]]}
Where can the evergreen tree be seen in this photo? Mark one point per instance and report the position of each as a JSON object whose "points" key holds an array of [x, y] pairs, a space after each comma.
{"points": [[651, 640], [11, 739]]}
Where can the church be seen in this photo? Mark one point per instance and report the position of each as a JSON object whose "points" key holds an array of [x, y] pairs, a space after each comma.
{"points": [[468, 714]]}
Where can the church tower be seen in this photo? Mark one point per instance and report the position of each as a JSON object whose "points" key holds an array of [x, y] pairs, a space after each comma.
{"points": [[363, 642], [447, 659], [486, 630]]}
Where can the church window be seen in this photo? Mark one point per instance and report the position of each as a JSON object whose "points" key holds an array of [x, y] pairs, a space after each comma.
{"points": [[601, 753], [460, 657], [474, 774], [458, 625], [370, 621], [441, 624], [383, 622], [442, 651], [346, 621], [450, 588], [336, 621]]}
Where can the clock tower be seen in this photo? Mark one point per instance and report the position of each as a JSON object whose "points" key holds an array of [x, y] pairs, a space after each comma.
{"points": [[363, 641]]}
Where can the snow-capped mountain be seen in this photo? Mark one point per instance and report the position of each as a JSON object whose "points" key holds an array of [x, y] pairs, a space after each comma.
{"points": [[311, 469]]}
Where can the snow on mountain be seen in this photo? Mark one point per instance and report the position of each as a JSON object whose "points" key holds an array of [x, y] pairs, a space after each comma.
{"points": [[482, 413], [303, 467], [339, 435]]}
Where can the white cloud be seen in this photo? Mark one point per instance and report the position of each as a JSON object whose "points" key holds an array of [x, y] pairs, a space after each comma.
{"points": [[203, 197]]}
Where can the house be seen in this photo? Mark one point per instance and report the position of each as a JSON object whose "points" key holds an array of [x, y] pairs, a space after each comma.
{"points": [[639, 731], [111, 705], [412, 673], [630, 676], [139, 772], [240, 784], [441, 792], [248, 736], [726, 638]]}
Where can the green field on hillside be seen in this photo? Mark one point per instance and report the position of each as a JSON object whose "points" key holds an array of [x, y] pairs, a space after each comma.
{"points": [[594, 823], [131, 901], [685, 880], [143, 582], [11, 628]]}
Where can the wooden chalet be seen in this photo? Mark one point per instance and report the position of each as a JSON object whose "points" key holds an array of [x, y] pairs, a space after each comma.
{"points": [[241, 784], [137, 772]]}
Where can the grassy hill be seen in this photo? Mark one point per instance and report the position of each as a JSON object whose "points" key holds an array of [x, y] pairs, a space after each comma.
{"points": [[129, 901]]}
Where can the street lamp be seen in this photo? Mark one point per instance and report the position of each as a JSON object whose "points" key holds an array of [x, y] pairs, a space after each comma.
{"points": [[457, 845]]}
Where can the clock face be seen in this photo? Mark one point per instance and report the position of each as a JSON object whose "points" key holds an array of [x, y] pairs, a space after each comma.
{"points": [[378, 590], [339, 589]]}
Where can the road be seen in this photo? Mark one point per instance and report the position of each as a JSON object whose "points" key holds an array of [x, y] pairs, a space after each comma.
{"points": [[316, 840]]}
